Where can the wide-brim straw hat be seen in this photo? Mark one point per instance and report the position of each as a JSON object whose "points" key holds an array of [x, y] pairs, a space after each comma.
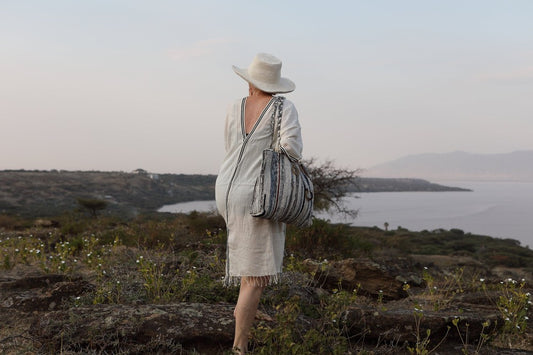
{"points": [[265, 74]]}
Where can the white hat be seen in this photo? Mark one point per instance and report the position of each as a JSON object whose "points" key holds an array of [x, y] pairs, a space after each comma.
{"points": [[265, 74]]}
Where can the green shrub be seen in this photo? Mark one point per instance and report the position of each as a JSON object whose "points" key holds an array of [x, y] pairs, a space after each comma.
{"points": [[10, 222], [322, 236], [457, 231]]}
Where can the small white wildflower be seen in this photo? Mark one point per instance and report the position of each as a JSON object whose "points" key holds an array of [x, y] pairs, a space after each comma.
{"points": [[526, 318], [425, 267], [118, 282], [137, 261], [62, 261], [507, 319], [481, 280], [78, 297], [75, 260], [103, 272], [16, 250]]}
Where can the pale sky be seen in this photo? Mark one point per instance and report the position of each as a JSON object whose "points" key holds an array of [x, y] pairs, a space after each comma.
{"points": [[121, 85]]}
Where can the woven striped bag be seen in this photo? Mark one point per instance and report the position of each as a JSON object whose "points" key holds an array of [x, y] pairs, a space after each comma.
{"points": [[283, 191]]}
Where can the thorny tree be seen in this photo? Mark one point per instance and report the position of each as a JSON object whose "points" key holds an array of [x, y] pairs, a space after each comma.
{"points": [[331, 184]]}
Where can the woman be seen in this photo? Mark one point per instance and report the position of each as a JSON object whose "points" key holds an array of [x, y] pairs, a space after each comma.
{"points": [[255, 246]]}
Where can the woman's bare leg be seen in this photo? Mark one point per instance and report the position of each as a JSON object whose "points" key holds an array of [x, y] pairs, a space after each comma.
{"points": [[245, 310]]}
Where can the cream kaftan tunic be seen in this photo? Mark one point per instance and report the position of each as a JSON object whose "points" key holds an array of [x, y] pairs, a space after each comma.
{"points": [[255, 245]]}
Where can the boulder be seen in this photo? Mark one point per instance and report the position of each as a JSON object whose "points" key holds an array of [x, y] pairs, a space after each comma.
{"points": [[26, 282], [40, 293], [398, 324], [111, 328], [45, 223], [366, 275]]}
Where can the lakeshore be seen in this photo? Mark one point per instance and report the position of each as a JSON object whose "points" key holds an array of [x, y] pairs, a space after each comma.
{"points": [[498, 209]]}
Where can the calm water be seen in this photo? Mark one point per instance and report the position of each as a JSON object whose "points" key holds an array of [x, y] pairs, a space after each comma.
{"points": [[498, 209]]}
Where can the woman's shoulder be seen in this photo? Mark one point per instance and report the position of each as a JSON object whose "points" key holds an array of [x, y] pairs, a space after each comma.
{"points": [[287, 102], [235, 104], [288, 105]]}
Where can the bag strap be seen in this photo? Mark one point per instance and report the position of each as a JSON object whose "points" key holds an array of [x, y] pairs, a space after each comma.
{"points": [[275, 123], [277, 114]]}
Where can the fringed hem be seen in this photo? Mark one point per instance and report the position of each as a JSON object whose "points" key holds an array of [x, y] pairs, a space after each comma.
{"points": [[260, 281]]}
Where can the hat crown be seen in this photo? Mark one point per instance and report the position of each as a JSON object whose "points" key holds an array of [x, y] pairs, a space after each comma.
{"points": [[265, 74], [265, 68]]}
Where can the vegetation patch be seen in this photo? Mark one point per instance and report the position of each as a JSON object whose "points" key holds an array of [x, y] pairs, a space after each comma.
{"points": [[167, 259]]}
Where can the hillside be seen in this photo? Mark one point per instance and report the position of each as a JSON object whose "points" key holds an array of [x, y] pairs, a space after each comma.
{"points": [[515, 166], [48, 193], [399, 185]]}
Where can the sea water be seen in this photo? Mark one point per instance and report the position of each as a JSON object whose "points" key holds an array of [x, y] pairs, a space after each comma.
{"points": [[497, 209]]}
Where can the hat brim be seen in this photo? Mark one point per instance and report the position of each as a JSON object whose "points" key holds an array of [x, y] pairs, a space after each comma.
{"points": [[283, 86]]}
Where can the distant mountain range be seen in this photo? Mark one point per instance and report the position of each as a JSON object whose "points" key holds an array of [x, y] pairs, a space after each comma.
{"points": [[515, 166]]}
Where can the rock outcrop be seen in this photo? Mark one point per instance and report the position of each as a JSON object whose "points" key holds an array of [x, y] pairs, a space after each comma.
{"points": [[116, 327], [40, 293], [397, 322], [367, 276]]}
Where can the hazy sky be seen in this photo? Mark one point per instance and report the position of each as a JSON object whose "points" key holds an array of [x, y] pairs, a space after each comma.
{"points": [[120, 85]]}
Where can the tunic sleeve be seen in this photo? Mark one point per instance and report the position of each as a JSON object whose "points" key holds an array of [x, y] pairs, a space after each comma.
{"points": [[226, 130], [290, 134]]}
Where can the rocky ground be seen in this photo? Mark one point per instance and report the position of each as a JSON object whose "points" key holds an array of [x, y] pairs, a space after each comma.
{"points": [[40, 315], [381, 304]]}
